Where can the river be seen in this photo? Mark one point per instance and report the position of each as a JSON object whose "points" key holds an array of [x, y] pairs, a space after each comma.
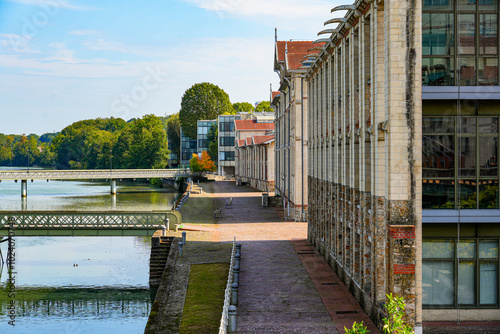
{"points": [[78, 284]]}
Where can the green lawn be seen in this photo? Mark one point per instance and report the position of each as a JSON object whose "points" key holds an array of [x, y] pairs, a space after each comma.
{"points": [[205, 298]]}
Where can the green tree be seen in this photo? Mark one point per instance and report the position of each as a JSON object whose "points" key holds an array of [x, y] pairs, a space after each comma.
{"points": [[243, 107], [264, 106], [149, 147], [213, 142], [202, 101], [174, 134], [6, 146]]}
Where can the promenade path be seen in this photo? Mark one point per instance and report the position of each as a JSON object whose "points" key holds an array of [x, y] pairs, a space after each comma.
{"points": [[285, 285]]}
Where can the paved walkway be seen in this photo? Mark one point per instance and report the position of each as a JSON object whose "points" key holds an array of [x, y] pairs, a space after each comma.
{"points": [[285, 286]]}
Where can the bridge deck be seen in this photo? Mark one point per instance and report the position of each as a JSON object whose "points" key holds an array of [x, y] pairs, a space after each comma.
{"points": [[85, 223], [92, 174]]}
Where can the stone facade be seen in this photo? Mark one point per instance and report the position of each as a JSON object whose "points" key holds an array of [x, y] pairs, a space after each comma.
{"points": [[364, 149], [290, 105]]}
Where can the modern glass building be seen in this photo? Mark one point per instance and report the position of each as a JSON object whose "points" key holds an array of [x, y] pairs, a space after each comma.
{"points": [[203, 130], [188, 148], [226, 144]]}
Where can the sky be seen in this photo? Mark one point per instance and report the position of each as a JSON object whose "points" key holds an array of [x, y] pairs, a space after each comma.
{"points": [[62, 61]]}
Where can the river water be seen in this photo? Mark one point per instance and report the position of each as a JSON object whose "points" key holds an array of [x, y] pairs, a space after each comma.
{"points": [[78, 284]]}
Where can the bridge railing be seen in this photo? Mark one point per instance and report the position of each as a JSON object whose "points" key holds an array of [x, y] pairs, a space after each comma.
{"points": [[92, 174], [227, 294]]}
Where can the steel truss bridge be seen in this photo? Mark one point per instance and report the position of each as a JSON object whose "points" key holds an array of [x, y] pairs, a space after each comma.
{"points": [[90, 174], [93, 174], [85, 223]]}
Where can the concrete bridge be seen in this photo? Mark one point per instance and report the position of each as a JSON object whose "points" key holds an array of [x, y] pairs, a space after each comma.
{"points": [[86, 223], [90, 174]]}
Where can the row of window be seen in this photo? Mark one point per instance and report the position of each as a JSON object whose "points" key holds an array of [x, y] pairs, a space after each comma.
{"points": [[460, 162], [460, 43]]}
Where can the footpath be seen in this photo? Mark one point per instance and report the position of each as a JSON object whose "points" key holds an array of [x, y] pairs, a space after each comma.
{"points": [[285, 284]]}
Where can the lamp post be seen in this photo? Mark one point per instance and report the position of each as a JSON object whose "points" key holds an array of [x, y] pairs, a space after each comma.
{"points": [[28, 157], [110, 161], [112, 182]]}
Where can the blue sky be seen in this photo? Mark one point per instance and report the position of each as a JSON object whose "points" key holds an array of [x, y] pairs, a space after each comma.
{"points": [[63, 61]]}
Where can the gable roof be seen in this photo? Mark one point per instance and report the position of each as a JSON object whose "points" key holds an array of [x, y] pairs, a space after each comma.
{"points": [[257, 140], [251, 125]]}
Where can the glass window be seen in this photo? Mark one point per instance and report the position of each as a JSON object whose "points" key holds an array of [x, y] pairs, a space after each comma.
{"points": [[438, 283], [467, 249], [438, 4], [488, 148], [466, 34], [488, 124], [488, 249], [467, 5], [467, 194], [438, 71], [438, 249], [438, 194], [437, 33], [438, 156], [488, 194], [488, 5], [488, 283], [488, 36], [466, 283], [467, 156], [488, 71], [438, 125]]}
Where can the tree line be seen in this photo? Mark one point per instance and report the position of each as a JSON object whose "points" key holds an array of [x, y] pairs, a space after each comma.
{"points": [[92, 144]]}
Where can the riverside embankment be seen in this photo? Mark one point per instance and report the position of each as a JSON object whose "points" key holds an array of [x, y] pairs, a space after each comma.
{"points": [[281, 278]]}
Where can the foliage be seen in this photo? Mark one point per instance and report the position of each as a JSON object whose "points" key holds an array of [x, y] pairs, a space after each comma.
{"points": [[394, 323], [357, 328], [213, 142], [202, 101], [203, 164], [48, 137], [264, 106], [173, 127], [243, 107]]}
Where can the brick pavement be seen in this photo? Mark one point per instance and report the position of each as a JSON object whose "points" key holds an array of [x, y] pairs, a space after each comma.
{"points": [[281, 289]]}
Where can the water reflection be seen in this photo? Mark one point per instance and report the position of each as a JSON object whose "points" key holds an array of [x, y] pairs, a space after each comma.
{"points": [[79, 284]]}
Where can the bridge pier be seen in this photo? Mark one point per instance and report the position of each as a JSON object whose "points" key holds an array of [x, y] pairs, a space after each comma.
{"points": [[24, 188], [113, 187]]}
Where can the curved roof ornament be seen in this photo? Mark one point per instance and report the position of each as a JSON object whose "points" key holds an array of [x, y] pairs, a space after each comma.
{"points": [[328, 31], [322, 40], [356, 12], [339, 20], [315, 55]]}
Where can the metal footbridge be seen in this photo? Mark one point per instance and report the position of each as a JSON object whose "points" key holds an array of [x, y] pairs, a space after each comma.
{"points": [[85, 223], [90, 174]]}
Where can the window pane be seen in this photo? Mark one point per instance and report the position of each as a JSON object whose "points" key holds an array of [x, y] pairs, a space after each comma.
{"points": [[467, 124], [438, 194], [488, 194], [464, 5], [467, 249], [467, 192], [488, 124], [438, 283], [466, 34], [488, 249], [488, 148], [438, 125], [467, 73], [437, 4], [488, 36], [488, 72], [437, 34], [467, 156], [466, 283], [488, 5], [438, 156], [438, 249], [488, 278], [438, 71]]}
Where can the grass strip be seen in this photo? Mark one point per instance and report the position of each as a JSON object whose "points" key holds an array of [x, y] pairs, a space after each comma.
{"points": [[204, 298]]}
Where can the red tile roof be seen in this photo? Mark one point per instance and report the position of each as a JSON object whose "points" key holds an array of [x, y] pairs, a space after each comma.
{"points": [[274, 95], [297, 51], [248, 140], [280, 46], [241, 142], [257, 140], [251, 125]]}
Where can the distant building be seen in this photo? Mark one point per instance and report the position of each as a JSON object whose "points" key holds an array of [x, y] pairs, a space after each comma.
{"points": [[188, 148], [290, 104], [227, 150], [203, 128], [255, 153]]}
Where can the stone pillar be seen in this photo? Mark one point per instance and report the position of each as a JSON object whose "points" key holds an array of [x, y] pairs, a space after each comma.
{"points": [[24, 188], [113, 187]]}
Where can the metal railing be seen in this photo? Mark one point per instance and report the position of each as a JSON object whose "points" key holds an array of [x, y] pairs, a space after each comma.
{"points": [[227, 293], [49, 222], [92, 174]]}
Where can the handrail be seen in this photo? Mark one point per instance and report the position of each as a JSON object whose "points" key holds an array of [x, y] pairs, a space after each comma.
{"points": [[43, 174], [227, 293]]}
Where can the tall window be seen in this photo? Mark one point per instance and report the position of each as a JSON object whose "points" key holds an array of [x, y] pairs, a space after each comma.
{"points": [[460, 162], [460, 272], [460, 42]]}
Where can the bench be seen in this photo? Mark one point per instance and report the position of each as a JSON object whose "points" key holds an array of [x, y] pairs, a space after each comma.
{"points": [[218, 213], [229, 202]]}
